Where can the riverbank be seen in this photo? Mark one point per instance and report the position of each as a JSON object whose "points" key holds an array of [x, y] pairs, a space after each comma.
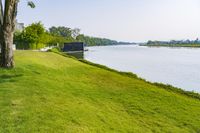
{"points": [[166, 65], [47, 92]]}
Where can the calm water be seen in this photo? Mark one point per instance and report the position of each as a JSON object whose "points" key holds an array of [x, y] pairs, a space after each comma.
{"points": [[179, 67]]}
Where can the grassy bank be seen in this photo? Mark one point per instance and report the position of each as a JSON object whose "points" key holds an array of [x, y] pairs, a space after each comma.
{"points": [[48, 93]]}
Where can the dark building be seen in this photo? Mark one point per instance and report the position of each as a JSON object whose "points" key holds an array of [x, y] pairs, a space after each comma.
{"points": [[73, 46]]}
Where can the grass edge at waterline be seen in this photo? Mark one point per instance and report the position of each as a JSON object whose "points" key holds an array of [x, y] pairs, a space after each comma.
{"points": [[48, 92], [132, 75]]}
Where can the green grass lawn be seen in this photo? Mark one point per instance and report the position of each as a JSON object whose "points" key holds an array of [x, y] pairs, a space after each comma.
{"points": [[50, 93]]}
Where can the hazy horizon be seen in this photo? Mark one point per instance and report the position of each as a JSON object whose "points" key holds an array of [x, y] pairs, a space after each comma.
{"points": [[128, 20]]}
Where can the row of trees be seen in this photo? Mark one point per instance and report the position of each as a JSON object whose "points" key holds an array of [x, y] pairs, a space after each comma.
{"points": [[74, 35], [94, 41], [35, 36], [174, 42]]}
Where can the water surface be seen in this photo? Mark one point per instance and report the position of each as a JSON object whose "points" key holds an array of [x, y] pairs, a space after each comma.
{"points": [[179, 67]]}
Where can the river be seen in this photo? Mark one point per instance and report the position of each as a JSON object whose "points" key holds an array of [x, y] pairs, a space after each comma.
{"points": [[179, 67]]}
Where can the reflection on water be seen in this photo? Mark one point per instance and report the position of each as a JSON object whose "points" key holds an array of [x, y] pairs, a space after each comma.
{"points": [[179, 67], [78, 55]]}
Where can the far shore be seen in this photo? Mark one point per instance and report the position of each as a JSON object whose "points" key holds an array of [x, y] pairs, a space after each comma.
{"points": [[172, 45]]}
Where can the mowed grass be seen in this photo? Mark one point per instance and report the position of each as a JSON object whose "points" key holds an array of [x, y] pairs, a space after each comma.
{"points": [[49, 93]]}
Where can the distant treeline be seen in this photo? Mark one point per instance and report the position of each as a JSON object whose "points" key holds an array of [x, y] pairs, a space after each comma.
{"points": [[175, 43], [94, 41], [35, 36]]}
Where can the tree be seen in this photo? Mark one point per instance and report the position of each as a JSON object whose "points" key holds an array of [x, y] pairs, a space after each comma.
{"points": [[63, 34], [33, 36], [33, 33], [61, 31], [95, 41], [7, 25], [75, 32]]}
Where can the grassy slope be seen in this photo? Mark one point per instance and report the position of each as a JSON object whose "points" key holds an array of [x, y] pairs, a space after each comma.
{"points": [[50, 93]]}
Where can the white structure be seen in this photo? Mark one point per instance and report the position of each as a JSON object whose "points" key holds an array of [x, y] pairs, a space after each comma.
{"points": [[47, 48], [14, 47], [19, 26]]}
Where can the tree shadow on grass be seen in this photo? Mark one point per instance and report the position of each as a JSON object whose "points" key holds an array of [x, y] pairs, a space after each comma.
{"points": [[9, 77]]}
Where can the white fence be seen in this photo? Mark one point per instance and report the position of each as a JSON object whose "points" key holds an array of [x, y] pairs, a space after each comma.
{"points": [[47, 48]]}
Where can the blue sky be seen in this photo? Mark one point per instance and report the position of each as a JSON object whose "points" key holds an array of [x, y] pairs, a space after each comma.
{"points": [[123, 20]]}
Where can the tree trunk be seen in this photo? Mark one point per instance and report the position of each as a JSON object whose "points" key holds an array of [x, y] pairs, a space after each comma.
{"points": [[10, 12], [7, 48]]}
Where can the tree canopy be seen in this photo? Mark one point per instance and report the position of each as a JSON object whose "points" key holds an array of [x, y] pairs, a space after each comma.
{"points": [[35, 36]]}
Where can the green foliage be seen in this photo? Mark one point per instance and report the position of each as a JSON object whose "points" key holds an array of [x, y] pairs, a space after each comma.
{"points": [[173, 45], [63, 34], [47, 92], [32, 37], [61, 31], [17, 37], [94, 41], [31, 4], [33, 33], [72, 35], [75, 32], [35, 36]]}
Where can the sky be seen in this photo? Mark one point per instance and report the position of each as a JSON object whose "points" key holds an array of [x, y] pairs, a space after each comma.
{"points": [[122, 20]]}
